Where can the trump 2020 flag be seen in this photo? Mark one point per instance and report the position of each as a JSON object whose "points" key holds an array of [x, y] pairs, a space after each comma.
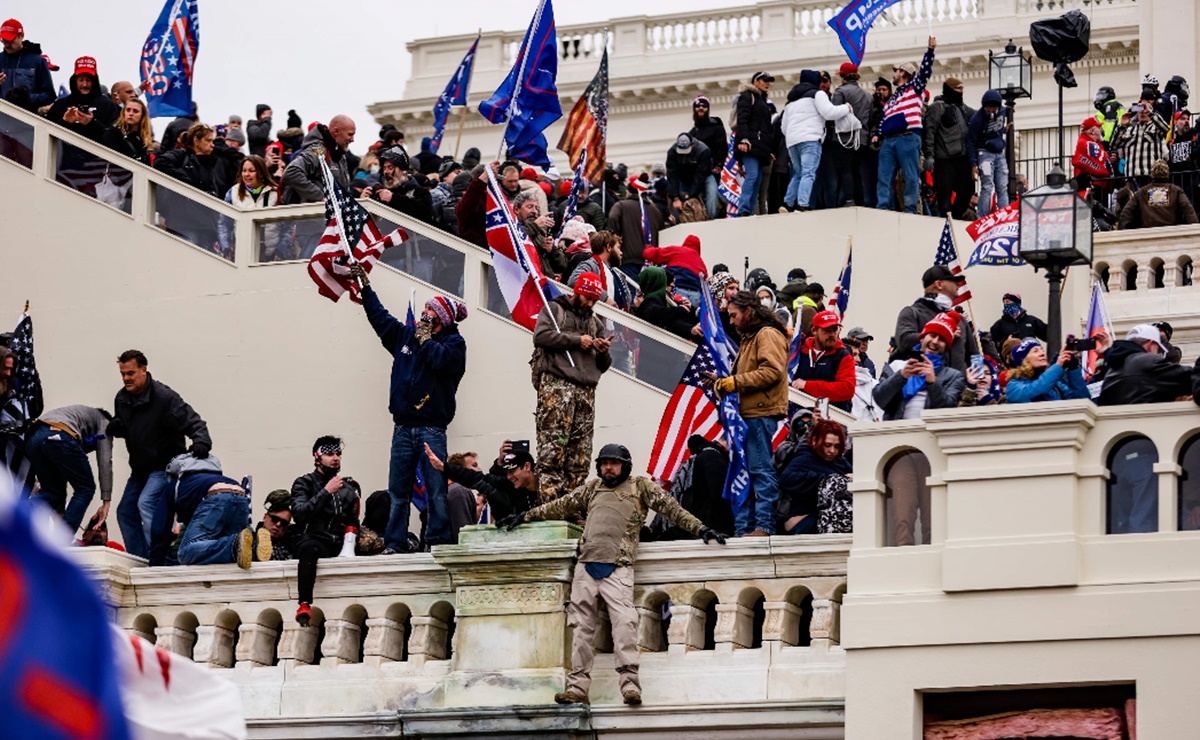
{"points": [[57, 680], [737, 479], [514, 258], [730, 186], [169, 59], [454, 94], [528, 98], [851, 25], [996, 238]]}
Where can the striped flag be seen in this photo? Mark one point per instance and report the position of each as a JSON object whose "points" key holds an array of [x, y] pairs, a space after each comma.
{"points": [[21, 406], [947, 255], [841, 292], [730, 186], [348, 223], [576, 191], [1097, 323], [587, 125], [514, 258], [691, 410]]}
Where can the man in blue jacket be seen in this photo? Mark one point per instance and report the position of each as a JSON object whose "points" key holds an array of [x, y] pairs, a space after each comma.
{"points": [[24, 73], [428, 362], [986, 142]]}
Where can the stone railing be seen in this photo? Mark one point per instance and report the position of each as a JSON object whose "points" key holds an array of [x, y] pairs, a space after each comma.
{"points": [[483, 623], [1141, 259]]}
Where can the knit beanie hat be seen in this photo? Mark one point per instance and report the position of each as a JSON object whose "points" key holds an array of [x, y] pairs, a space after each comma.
{"points": [[953, 82], [258, 109], [943, 325], [589, 286], [1022, 350], [447, 309], [717, 282]]}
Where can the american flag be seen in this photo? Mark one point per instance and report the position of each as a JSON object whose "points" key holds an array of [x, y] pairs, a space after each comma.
{"points": [[514, 258], [587, 125], [730, 186], [23, 404], [420, 494], [691, 410], [83, 171], [841, 292], [576, 191], [347, 223], [947, 255]]}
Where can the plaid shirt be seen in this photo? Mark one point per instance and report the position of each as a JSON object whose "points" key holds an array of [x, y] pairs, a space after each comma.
{"points": [[1140, 144]]}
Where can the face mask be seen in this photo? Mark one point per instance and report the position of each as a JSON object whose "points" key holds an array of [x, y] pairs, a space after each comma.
{"points": [[767, 303], [373, 169], [943, 302], [1012, 310]]}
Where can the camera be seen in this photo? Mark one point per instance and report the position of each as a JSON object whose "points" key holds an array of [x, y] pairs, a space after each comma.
{"points": [[1080, 345]]}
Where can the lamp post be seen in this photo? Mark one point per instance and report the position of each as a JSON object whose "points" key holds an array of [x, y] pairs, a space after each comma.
{"points": [[1055, 231], [1010, 73]]}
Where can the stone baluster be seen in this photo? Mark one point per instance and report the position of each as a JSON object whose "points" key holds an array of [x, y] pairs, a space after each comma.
{"points": [[735, 626], [428, 639], [650, 636], [256, 644], [686, 631], [298, 644], [1171, 274], [825, 626], [176, 640], [341, 643], [385, 641], [214, 646], [782, 623], [1144, 275]]}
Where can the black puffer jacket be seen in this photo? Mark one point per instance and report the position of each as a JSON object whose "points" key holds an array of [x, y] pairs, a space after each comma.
{"points": [[154, 425], [190, 168], [321, 514], [1137, 376], [712, 132], [754, 124]]}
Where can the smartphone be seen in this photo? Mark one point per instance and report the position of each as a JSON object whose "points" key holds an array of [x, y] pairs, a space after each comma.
{"points": [[1136, 108], [977, 364], [823, 407], [908, 354], [520, 445]]}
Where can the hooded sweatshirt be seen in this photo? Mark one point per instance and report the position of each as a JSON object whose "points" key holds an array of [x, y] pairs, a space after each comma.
{"points": [[104, 110], [987, 130], [1137, 376], [808, 109], [682, 263]]}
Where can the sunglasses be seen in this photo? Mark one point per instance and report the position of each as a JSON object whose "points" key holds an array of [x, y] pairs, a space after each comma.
{"points": [[279, 521]]}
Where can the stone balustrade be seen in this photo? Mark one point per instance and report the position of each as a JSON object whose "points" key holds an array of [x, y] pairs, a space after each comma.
{"points": [[483, 623]]}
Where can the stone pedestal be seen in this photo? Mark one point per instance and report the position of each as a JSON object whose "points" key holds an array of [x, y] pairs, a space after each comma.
{"points": [[511, 643]]}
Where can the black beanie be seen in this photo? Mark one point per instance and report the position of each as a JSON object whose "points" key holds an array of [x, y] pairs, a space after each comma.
{"points": [[258, 109]]}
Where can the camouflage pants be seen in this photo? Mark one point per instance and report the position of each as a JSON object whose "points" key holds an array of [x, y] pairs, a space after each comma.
{"points": [[566, 416]]}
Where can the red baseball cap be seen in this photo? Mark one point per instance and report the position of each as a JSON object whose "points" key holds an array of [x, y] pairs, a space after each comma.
{"points": [[49, 64], [10, 29], [86, 66], [825, 319], [848, 69]]}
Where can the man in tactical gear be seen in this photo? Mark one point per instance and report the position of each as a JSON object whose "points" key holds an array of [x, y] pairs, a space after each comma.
{"points": [[616, 507]]}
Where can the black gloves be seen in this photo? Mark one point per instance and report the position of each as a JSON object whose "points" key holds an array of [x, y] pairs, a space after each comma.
{"points": [[200, 450], [511, 522], [708, 533], [294, 120]]}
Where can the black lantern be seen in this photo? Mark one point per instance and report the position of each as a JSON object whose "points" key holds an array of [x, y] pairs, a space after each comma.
{"points": [[1010, 73], [1055, 232]]}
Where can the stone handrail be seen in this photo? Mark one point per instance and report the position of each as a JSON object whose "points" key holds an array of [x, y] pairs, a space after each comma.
{"points": [[483, 623]]}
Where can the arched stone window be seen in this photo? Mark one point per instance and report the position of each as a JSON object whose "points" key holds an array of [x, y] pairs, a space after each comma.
{"points": [[1129, 270], [1132, 490], [907, 507], [1189, 485]]}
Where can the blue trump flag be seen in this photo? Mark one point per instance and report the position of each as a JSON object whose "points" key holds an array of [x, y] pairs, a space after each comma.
{"points": [[737, 480], [454, 94], [528, 99], [851, 25], [58, 674], [169, 59]]}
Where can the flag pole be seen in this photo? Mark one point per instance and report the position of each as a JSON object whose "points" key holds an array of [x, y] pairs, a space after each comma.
{"points": [[970, 307], [462, 118], [337, 215], [842, 274], [512, 103]]}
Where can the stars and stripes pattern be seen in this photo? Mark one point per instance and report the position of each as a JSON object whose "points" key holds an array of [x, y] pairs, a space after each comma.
{"points": [[576, 191], [840, 299], [730, 185], [947, 256], [514, 258], [454, 94], [587, 125], [348, 223], [168, 62], [691, 410], [21, 406]]}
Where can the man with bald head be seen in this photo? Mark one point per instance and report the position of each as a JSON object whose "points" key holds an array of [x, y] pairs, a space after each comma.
{"points": [[302, 180], [122, 92]]}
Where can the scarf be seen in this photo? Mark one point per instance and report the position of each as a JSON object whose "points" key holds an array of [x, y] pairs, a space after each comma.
{"points": [[917, 383]]}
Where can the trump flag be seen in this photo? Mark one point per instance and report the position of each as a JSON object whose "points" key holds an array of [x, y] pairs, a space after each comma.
{"points": [[169, 59]]}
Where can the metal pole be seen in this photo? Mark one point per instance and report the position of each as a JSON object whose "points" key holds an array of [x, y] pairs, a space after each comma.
{"points": [[1011, 147], [1060, 126], [1054, 276]]}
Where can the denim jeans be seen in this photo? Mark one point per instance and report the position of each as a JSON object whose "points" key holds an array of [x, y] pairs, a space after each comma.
{"points": [[408, 451], [210, 535], [759, 511], [993, 175], [750, 185], [903, 153], [805, 156], [135, 513], [710, 197], [58, 459]]}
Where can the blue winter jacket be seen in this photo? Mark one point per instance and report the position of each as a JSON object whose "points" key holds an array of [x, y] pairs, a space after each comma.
{"points": [[799, 481], [987, 131], [425, 377], [1055, 384], [27, 68]]}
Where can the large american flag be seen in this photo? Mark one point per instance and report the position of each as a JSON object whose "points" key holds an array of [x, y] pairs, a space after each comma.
{"points": [[691, 410], [515, 260], [347, 223], [23, 404], [587, 124], [947, 255]]}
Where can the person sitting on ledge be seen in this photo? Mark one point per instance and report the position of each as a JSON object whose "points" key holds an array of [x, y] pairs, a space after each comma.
{"points": [[813, 493], [1035, 379], [616, 507]]}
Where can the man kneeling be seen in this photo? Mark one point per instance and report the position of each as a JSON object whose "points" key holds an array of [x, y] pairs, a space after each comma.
{"points": [[616, 507]]}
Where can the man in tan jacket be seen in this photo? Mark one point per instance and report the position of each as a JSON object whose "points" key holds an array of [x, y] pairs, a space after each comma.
{"points": [[760, 380]]}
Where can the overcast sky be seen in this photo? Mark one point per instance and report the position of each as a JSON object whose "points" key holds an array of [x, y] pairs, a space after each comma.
{"points": [[318, 57]]}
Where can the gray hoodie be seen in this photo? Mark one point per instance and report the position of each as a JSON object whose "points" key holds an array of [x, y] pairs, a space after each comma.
{"points": [[89, 426]]}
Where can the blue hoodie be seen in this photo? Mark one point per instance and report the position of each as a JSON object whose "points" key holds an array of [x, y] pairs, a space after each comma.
{"points": [[986, 130]]}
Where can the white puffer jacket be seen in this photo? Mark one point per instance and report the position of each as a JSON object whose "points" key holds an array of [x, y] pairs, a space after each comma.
{"points": [[804, 119]]}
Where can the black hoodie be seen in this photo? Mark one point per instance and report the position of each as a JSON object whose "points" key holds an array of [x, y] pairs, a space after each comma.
{"points": [[698, 490], [1137, 376], [104, 110]]}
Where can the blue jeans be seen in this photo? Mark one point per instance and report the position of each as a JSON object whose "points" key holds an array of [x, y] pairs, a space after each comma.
{"points": [[993, 175], [408, 451], [710, 196], [135, 513], [214, 528], [806, 157], [58, 459], [760, 512], [750, 185], [903, 153]]}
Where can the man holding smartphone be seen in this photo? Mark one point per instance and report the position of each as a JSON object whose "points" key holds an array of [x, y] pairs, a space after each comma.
{"points": [[85, 110], [1142, 138]]}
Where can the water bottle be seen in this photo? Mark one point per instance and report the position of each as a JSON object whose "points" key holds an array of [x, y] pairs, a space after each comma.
{"points": [[348, 542]]}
